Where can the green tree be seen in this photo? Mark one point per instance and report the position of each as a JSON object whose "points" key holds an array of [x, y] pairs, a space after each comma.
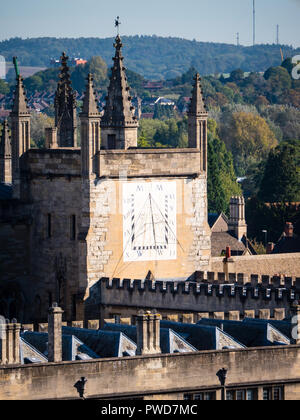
{"points": [[37, 128], [281, 181], [96, 66], [248, 137], [4, 87], [222, 183], [278, 78]]}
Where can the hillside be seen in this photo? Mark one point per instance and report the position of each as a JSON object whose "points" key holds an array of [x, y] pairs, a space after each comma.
{"points": [[153, 57]]}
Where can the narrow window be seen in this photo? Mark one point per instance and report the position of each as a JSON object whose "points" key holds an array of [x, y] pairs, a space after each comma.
{"points": [[73, 227], [111, 141], [50, 299], [49, 227], [74, 306]]}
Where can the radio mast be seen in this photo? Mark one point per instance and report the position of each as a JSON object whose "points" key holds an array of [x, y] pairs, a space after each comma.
{"points": [[254, 23]]}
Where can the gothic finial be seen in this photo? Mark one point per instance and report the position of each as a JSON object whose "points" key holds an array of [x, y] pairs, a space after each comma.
{"points": [[117, 24], [197, 104], [5, 144], [65, 106], [20, 101], [118, 103], [90, 106]]}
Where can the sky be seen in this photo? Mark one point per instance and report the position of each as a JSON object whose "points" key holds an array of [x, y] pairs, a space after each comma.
{"points": [[203, 20]]}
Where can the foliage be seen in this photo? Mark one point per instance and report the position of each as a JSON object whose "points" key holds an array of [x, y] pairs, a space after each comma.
{"points": [[42, 81], [152, 56], [221, 182], [4, 87], [272, 218], [164, 112], [248, 137], [37, 126], [98, 68], [281, 180]]}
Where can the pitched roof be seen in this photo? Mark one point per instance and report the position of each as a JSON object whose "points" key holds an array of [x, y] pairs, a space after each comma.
{"points": [[71, 346], [104, 343], [202, 337], [221, 240], [170, 342], [249, 334]]}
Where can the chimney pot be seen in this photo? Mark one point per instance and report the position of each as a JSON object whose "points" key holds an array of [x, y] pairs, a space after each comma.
{"points": [[289, 230]]}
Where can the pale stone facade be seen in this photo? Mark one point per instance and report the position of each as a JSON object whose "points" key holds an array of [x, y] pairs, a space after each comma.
{"points": [[74, 201]]}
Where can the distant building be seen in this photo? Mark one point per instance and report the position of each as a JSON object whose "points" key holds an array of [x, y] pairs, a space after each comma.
{"points": [[288, 242], [230, 232]]}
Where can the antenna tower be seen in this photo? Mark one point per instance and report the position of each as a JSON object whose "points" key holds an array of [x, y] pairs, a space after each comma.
{"points": [[254, 23]]}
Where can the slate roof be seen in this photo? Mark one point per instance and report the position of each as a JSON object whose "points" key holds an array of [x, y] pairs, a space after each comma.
{"points": [[5, 191], [105, 344], [165, 336], [39, 342], [249, 334], [283, 326], [202, 337]]}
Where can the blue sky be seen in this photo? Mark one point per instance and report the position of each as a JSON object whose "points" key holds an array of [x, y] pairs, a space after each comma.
{"points": [[203, 20]]}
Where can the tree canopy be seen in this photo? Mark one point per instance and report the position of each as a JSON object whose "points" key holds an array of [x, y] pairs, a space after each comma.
{"points": [[281, 180]]}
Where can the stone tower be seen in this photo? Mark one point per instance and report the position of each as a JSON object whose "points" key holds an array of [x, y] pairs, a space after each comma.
{"points": [[20, 133], [65, 108], [5, 155], [237, 221], [118, 125], [90, 130], [197, 122]]}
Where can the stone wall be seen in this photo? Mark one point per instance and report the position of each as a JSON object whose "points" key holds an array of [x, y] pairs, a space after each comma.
{"points": [[52, 185], [152, 162], [105, 246], [15, 225], [63, 267], [271, 265], [127, 297], [156, 376]]}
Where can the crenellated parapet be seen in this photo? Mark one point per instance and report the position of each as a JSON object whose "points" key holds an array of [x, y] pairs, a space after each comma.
{"points": [[244, 294]]}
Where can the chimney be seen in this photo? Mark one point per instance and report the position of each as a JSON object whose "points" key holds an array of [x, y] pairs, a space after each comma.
{"points": [[270, 247], [289, 230], [55, 333], [10, 343], [148, 333], [237, 220], [51, 138]]}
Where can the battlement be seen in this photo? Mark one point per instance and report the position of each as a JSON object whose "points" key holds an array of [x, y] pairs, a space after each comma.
{"points": [[209, 294]]}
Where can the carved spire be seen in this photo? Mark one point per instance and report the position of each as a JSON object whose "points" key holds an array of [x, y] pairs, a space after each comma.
{"points": [[5, 155], [89, 106], [118, 110], [65, 107], [20, 107], [90, 131], [197, 105], [5, 145]]}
